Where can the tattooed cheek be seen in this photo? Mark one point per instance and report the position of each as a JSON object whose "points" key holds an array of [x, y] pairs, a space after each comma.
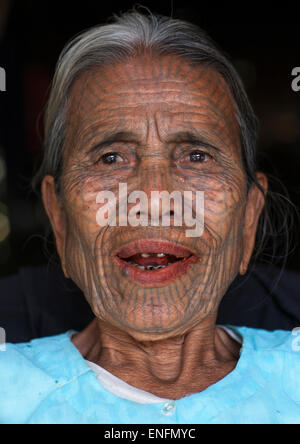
{"points": [[125, 272]]}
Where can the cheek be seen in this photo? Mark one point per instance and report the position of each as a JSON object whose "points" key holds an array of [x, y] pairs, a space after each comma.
{"points": [[82, 227], [224, 206], [81, 247], [83, 205]]}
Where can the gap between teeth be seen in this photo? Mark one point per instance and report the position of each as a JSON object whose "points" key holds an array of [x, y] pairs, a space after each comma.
{"points": [[149, 267], [152, 254]]}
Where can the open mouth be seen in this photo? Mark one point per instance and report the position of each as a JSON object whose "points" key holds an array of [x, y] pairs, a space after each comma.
{"points": [[154, 262]]}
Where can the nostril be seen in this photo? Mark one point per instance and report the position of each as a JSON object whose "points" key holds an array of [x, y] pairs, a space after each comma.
{"points": [[140, 213]]}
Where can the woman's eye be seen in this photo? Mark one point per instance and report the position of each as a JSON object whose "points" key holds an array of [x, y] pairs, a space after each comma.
{"points": [[110, 158], [199, 156]]}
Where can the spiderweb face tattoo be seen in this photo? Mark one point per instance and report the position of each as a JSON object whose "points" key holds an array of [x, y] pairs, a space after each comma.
{"points": [[154, 124]]}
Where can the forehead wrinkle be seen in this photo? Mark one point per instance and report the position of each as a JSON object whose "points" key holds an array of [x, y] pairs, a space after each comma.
{"points": [[99, 99], [105, 75], [93, 81], [92, 131], [156, 66], [87, 100], [95, 132], [214, 129], [221, 93], [204, 110]]}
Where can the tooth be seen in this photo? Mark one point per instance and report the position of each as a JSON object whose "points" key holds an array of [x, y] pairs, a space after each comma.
{"points": [[141, 267], [160, 255], [145, 255]]}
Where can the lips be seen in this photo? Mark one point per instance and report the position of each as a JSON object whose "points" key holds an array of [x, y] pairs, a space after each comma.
{"points": [[154, 262]]}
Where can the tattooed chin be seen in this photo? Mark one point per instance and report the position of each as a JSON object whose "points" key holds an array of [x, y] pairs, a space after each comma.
{"points": [[155, 283]]}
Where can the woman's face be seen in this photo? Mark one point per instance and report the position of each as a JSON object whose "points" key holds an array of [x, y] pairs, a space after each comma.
{"points": [[154, 124]]}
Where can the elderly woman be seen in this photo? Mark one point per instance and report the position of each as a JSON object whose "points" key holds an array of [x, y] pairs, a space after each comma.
{"points": [[150, 103]]}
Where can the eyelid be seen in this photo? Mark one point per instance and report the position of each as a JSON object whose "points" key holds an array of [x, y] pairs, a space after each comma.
{"points": [[111, 153], [209, 157], [194, 149], [108, 145], [122, 149], [202, 152]]}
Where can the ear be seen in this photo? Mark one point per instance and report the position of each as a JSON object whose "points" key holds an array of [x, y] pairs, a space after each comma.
{"points": [[56, 216], [254, 206]]}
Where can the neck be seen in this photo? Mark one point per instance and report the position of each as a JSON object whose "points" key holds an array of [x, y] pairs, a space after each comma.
{"points": [[168, 367]]}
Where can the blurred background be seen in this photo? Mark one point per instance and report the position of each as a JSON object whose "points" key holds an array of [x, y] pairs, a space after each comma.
{"points": [[262, 41]]}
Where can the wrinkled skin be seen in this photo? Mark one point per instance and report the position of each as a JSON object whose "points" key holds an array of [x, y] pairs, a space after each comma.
{"points": [[160, 338]]}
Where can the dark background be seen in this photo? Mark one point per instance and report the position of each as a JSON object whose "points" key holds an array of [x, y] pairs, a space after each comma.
{"points": [[262, 40]]}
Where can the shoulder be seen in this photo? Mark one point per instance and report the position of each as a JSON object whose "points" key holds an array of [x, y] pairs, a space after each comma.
{"points": [[276, 354], [29, 372], [259, 339]]}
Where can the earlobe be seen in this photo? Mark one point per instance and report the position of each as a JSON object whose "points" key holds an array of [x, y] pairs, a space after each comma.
{"points": [[254, 207], [56, 216], [243, 269]]}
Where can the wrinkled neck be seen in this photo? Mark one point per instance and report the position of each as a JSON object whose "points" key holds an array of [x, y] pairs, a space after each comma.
{"points": [[169, 365]]}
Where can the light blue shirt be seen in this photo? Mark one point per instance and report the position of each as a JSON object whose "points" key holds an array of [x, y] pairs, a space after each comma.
{"points": [[48, 381]]}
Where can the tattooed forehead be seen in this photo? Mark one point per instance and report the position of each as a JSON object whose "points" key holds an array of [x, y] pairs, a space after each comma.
{"points": [[150, 95]]}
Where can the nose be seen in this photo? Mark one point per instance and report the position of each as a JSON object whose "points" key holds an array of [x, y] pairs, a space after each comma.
{"points": [[160, 210], [156, 181]]}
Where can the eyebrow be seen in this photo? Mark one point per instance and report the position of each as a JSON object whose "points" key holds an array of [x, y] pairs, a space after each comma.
{"points": [[129, 136], [192, 138], [120, 136]]}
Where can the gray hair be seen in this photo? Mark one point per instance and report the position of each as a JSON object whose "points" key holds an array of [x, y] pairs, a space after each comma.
{"points": [[128, 34]]}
